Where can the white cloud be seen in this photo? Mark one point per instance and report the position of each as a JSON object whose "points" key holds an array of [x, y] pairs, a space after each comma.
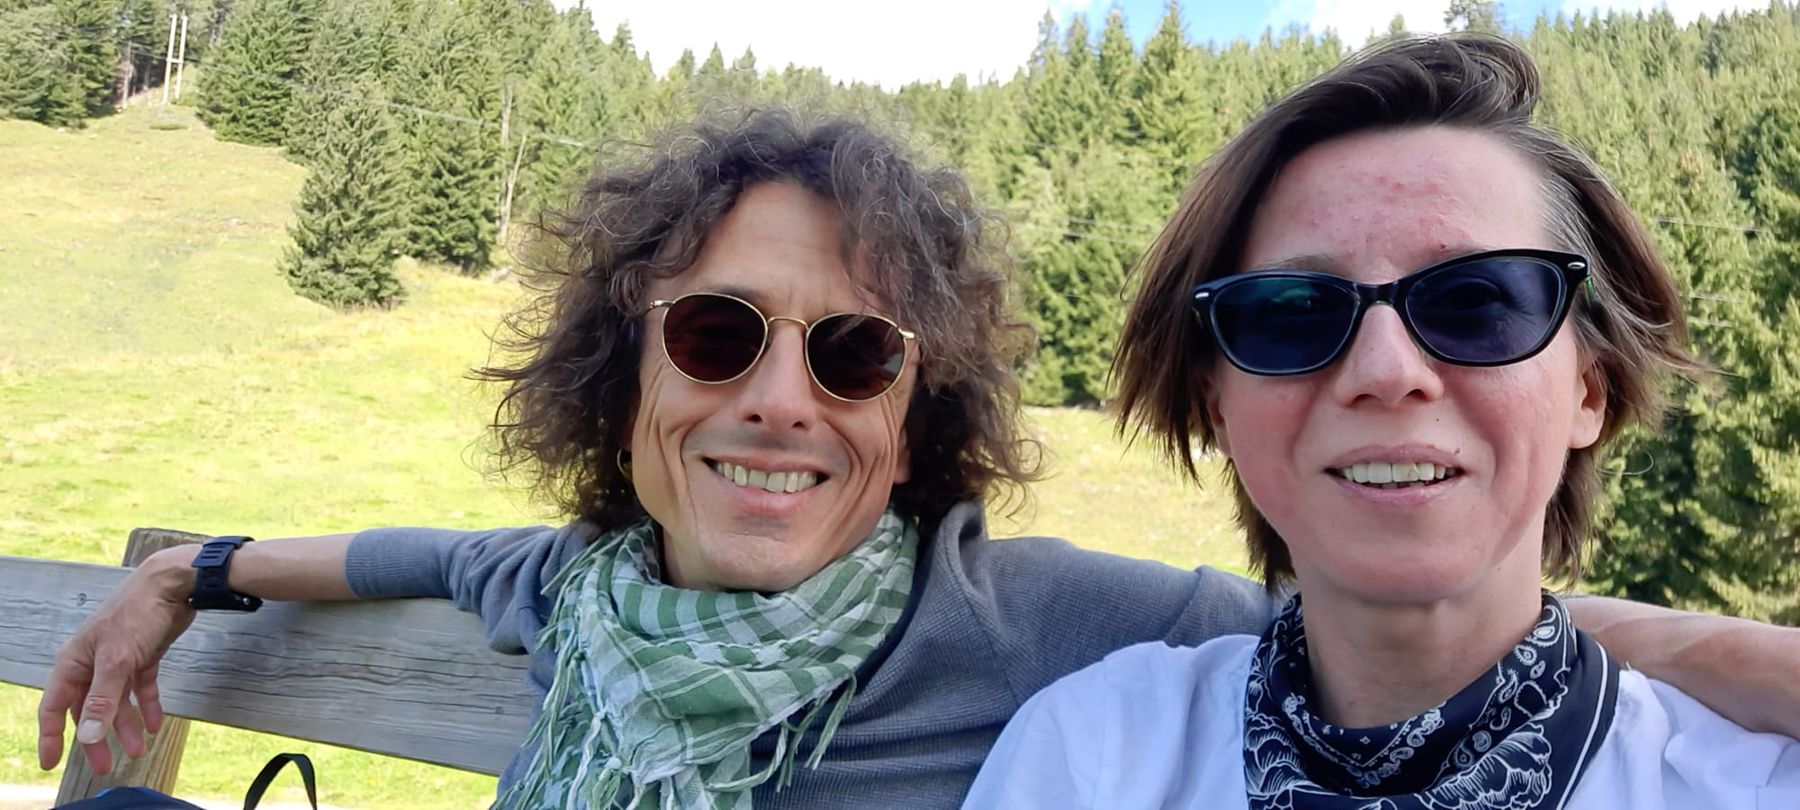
{"points": [[1355, 20], [885, 43]]}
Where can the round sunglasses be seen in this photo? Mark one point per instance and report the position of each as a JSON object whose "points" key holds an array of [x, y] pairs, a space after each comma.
{"points": [[715, 338], [1484, 309]]}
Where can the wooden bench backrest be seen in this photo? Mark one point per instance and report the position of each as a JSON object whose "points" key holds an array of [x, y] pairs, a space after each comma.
{"points": [[410, 678]]}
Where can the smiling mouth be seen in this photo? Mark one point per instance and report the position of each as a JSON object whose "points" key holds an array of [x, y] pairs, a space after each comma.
{"points": [[783, 481], [1397, 474]]}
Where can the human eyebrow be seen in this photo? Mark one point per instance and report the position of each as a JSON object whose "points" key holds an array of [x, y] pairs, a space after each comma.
{"points": [[735, 291], [1314, 262]]}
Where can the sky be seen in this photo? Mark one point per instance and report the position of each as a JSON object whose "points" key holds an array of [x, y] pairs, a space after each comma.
{"points": [[893, 43]]}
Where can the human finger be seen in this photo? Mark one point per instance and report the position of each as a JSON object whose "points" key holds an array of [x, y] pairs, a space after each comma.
{"points": [[128, 726], [149, 698], [53, 710]]}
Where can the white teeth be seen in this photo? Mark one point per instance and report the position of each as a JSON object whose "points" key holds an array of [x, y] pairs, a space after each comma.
{"points": [[1388, 474], [789, 481]]}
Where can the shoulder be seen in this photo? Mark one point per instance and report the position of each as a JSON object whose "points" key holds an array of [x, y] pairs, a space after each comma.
{"points": [[1153, 676], [1666, 749], [1169, 697], [1143, 727]]}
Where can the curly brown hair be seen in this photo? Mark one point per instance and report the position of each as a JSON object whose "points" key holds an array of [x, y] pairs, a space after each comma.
{"points": [[1631, 327], [927, 242]]}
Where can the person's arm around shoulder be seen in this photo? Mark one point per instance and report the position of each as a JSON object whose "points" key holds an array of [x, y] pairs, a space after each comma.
{"points": [[1739, 668], [115, 654]]}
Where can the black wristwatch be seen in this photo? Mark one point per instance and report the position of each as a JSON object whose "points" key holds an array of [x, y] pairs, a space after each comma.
{"points": [[211, 567]]}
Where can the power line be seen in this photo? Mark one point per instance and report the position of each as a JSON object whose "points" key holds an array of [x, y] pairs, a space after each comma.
{"points": [[1723, 226]]}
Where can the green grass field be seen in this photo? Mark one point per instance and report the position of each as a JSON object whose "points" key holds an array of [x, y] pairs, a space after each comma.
{"points": [[155, 370]]}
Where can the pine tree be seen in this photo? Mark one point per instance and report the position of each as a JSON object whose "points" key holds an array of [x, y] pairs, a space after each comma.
{"points": [[451, 151], [355, 43], [89, 56], [565, 98], [1168, 115], [32, 87], [1473, 15], [346, 219], [1120, 84], [249, 78]]}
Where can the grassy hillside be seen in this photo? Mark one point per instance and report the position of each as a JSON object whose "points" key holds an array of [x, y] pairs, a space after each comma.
{"points": [[155, 370]]}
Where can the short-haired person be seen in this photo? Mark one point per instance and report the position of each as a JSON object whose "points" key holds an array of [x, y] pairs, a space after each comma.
{"points": [[1409, 317], [772, 390]]}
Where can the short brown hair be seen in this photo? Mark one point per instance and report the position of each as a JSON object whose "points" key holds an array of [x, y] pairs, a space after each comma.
{"points": [[567, 402], [1632, 327]]}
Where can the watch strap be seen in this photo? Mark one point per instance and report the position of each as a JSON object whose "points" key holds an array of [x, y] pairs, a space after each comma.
{"points": [[212, 568]]}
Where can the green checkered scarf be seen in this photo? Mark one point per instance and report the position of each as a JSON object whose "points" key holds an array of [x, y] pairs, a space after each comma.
{"points": [[659, 690]]}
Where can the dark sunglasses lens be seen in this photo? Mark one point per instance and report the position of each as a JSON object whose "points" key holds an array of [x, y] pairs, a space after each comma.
{"points": [[854, 356], [712, 338], [1282, 325], [1489, 311]]}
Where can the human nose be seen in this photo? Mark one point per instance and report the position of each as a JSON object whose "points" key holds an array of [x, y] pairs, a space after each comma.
{"points": [[1384, 365], [778, 392]]}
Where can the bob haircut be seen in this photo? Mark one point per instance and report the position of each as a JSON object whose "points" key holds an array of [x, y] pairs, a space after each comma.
{"points": [[1630, 325], [568, 400]]}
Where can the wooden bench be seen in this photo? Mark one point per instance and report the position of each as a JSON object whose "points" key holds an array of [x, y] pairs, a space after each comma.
{"points": [[409, 678]]}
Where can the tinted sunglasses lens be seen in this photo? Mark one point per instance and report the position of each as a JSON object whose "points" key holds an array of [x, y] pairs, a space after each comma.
{"points": [[1486, 312], [855, 357], [712, 338], [1282, 325]]}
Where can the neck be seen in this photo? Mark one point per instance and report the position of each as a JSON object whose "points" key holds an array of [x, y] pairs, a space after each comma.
{"points": [[1380, 663]]}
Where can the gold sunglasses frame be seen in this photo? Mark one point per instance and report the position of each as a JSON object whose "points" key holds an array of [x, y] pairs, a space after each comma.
{"points": [[769, 330]]}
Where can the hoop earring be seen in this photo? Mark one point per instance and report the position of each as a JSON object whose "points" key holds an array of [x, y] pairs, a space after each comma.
{"points": [[623, 460]]}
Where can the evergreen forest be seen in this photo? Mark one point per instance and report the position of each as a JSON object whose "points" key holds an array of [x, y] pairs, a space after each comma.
{"points": [[437, 128]]}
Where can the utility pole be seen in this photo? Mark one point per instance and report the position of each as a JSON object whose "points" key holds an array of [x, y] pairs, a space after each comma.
{"points": [[181, 57], [504, 198], [169, 60]]}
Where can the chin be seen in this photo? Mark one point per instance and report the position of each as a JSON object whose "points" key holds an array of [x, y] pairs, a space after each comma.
{"points": [[763, 573], [1410, 582]]}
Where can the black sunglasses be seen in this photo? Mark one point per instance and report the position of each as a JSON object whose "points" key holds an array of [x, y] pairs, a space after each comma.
{"points": [[715, 338], [1484, 309]]}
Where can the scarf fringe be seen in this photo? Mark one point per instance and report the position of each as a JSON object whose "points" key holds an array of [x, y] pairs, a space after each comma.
{"points": [[572, 730]]}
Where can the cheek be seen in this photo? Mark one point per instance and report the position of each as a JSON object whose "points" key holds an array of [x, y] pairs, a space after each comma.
{"points": [[1263, 421]]}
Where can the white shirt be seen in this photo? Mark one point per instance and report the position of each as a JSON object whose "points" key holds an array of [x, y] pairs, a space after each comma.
{"points": [[1154, 726]]}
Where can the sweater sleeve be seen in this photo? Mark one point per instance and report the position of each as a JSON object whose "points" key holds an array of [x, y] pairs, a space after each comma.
{"points": [[497, 574], [1059, 608]]}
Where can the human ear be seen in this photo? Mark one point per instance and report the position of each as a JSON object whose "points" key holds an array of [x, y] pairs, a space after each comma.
{"points": [[1590, 407], [1209, 393]]}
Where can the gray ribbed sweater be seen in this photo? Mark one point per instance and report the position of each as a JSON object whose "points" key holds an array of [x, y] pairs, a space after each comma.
{"points": [[989, 623]]}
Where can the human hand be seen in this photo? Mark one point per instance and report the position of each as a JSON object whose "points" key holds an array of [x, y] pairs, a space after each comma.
{"points": [[113, 658]]}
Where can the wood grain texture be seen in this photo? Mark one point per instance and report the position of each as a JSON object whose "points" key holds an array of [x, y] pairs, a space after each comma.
{"points": [[411, 677], [161, 762]]}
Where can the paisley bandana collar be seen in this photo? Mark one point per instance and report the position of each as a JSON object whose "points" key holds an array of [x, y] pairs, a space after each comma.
{"points": [[1517, 738]]}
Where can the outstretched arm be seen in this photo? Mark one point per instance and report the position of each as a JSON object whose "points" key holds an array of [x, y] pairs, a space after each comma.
{"points": [[1742, 669], [115, 654]]}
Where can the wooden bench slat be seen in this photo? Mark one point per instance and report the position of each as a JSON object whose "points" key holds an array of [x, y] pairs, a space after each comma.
{"points": [[410, 678]]}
